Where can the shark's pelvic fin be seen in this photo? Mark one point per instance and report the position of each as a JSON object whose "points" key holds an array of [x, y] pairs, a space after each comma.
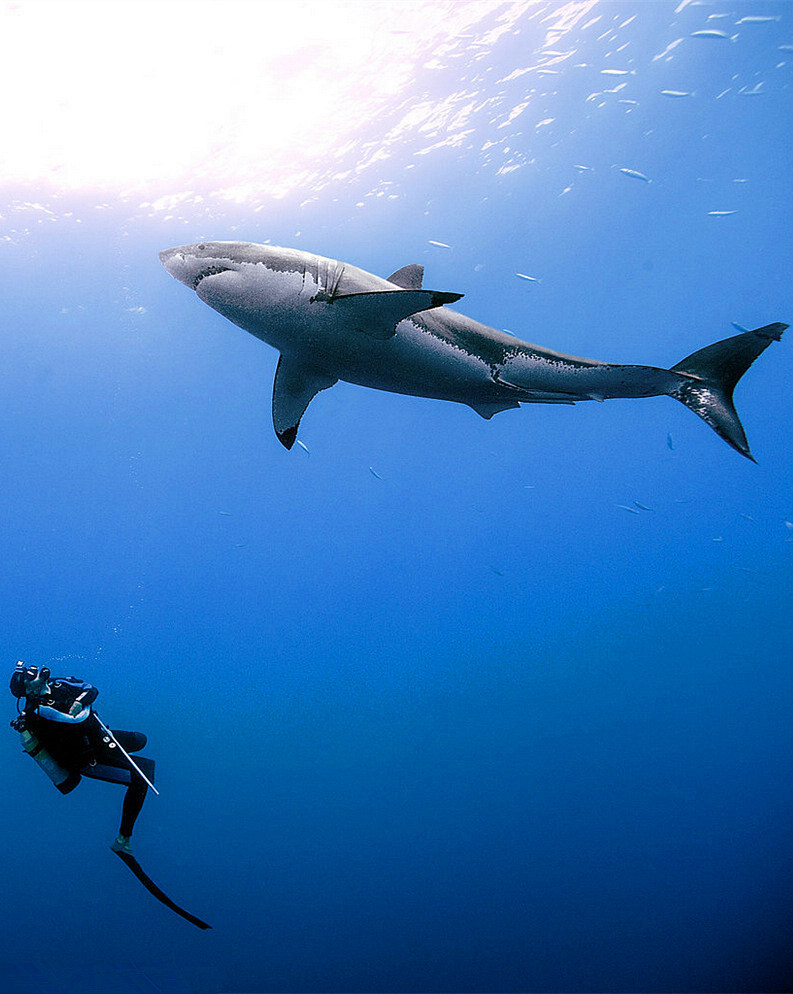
{"points": [[408, 277], [294, 388], [486, 409], [377, 314], [709, 377]]}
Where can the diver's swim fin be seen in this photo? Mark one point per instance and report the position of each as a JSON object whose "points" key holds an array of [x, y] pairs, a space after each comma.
{"points": [[152, 888]]}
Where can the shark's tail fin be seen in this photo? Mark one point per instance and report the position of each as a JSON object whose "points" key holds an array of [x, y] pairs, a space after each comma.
{"points": [[708, 378]]}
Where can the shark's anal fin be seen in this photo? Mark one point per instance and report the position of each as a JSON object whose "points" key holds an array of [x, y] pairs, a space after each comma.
{"points": [[408, 277], [294, 388], [377, 314]]}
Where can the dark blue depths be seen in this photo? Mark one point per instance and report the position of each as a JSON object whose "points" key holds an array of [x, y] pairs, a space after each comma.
{"points": [[439, 704]]}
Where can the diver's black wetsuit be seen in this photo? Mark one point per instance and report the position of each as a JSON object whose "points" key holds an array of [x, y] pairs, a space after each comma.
{"points": [[107, 756], [61, 732], [80, 745]]}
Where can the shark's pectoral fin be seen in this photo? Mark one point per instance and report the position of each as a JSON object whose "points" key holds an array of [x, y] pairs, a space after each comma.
{"points": [[378, 314], [408, 277], [294, 388]]}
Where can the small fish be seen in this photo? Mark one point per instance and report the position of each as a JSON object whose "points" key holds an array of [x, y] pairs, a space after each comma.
{"points": [[721, 213], [785, 48], [709, 33], [757, 19], [304, 447], [635, 174], [789, 524], [738, 327], [439, 244], [154, 986], [670, 442], [643, 507], [747, 516], [718, 539], [588, 169], [498, 572], [755, 91], [625, 507], [226, 514], [374, 473], [615, 72], [531, 279], [675, 93]]}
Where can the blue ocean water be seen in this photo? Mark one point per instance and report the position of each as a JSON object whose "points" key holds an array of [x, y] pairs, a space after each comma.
{"points": [[438, 704]]}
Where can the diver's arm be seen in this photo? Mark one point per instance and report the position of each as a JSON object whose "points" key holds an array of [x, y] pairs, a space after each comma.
{"points": [[77, 712], [53, 714]]}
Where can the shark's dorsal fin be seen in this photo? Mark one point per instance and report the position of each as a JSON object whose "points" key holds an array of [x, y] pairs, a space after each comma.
{"points": [[377, 314], [294, 388], [408, 277]]}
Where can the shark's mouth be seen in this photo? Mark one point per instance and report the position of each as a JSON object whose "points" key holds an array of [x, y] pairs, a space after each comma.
{"points": [[209, 271]]}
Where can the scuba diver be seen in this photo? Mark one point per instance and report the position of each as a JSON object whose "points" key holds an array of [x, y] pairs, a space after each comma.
{"points": [[61, 731]]}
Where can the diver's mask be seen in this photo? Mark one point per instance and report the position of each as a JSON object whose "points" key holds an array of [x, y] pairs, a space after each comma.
{"points": [[29, 681]]}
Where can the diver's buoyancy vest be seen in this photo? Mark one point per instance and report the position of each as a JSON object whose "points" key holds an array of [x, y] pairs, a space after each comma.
{"points": [[63, 779]]}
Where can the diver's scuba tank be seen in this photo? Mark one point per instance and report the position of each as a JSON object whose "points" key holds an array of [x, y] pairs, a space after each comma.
{"points": [[31, 682], [63, 779]]}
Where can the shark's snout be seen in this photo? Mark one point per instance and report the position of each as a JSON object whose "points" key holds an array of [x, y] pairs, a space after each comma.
{"points": [[175, 262], [190, 264]]}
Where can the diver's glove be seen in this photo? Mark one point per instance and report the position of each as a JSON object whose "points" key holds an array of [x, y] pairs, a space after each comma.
{"points": [[78, 707]]}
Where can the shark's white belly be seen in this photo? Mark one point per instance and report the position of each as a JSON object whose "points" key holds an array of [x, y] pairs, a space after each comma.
{"points": [[413, 361]]}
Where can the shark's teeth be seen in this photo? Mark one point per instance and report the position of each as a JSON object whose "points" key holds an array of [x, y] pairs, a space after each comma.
{"points": [[209, 271]]}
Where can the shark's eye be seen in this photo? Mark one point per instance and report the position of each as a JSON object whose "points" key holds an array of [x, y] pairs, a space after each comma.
{"points": [[201, 248], [209, 271]]}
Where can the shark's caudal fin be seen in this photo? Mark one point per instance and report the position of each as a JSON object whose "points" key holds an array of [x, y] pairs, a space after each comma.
{"points": [[708, 378]]}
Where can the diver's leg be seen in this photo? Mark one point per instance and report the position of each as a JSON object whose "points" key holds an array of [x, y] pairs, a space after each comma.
{"points": [[131, 741], [133, 802]]}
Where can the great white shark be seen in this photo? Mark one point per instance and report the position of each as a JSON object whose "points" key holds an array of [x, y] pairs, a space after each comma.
{"points": [[332, 321]]}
